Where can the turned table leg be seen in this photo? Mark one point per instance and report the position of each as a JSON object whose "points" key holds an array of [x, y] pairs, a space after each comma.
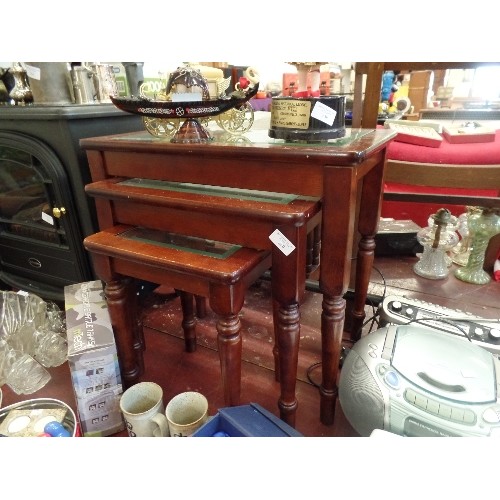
{"points": [[188, 320], [227, 301], [339, 213], [229, 344], [288, 331], [368, 219], [332, 327], [123, 314], [288, 277]]}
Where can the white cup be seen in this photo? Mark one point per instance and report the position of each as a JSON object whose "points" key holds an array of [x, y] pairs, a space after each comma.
{"points": [[186, 412], [143, 410]]}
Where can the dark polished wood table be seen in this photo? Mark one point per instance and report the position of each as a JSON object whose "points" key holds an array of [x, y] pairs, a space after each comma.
{"points": [[346, 174]]}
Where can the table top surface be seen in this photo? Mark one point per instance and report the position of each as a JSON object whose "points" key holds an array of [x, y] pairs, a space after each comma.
{"points": [[353, 148]]}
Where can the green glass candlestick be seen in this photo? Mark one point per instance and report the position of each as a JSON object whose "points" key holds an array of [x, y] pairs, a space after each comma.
{"points": [[482, 229]]}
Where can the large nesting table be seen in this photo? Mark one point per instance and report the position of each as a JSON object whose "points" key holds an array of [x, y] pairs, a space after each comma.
{"points": [[346, 174]]}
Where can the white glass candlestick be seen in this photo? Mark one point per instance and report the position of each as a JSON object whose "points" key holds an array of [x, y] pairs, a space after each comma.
{"points": [[436, 240]]}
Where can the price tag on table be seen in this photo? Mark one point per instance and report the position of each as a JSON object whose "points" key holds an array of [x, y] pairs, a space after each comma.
{"points": [[280, 240]]}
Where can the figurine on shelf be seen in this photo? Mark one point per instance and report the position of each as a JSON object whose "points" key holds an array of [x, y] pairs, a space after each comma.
{"points": [[436, 239], [20, 94], [303, 70], [482, 228]]}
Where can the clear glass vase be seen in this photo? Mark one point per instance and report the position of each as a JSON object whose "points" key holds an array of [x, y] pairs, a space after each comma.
{"points": [[24, 374], [437, 240], [50, 349]]}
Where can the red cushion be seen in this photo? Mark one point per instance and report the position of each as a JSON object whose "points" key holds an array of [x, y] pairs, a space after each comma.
{"points": [[481, 153], [487, 153]]}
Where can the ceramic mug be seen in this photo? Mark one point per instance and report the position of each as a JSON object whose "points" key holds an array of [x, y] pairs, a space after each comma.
{"points": [[143, 410], [186, 413]]}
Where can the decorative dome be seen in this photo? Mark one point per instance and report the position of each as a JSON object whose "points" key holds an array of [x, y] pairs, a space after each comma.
{"points": [[188, 80]]}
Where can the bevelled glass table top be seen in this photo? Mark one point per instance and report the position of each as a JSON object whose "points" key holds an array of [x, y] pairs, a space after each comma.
{"points": [[201, 246], [258, 136], [226, 192]]}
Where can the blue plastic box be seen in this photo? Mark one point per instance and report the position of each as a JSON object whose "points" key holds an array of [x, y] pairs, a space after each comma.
{"points": [[246, 421]]}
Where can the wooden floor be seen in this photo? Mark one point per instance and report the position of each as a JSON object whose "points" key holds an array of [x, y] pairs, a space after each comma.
{"points": [[177, 371]]}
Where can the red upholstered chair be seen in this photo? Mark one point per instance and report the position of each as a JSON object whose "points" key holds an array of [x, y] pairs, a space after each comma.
{"points": [[421, 179]]}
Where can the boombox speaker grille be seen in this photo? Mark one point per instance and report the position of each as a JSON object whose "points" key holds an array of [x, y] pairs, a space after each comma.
{"points": [[359, 395]]}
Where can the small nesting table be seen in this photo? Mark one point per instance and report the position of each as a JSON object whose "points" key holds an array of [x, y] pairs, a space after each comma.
{"points": [[215, 270]]}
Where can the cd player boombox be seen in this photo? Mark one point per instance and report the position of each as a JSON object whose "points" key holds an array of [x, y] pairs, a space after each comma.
{"points": [[403, 310], [415, 381]]}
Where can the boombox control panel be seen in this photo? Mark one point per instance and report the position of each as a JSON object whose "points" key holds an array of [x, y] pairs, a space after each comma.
{"points": [[402, 310]]}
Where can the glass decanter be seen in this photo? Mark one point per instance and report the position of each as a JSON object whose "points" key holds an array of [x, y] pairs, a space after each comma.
{"points": [[460, 253], [452, 224], [482, 228], [437, 239]]}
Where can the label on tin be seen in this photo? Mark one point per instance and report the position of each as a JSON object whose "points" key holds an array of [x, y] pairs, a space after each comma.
{"points": [[290, 113], [324, 113]]}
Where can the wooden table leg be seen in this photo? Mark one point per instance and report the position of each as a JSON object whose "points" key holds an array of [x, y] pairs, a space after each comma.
{"points": [[226, 302], [339, 213], [369, 214], [317, 246], [288, 330], [332, 328], [123, 313], [276, 356], [288, 286], [137, 323], [201, 306], [188, 320], [122, 302]]}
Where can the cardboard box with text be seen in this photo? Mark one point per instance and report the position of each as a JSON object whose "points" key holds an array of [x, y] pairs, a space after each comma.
{"points": [[93, 359]]}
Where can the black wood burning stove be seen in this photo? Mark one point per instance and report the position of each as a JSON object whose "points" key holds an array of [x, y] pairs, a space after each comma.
{"points": [[44, 211]]}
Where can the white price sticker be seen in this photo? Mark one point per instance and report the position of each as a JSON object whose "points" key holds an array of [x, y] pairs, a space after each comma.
{"points": [[47, 218], [280, 240], [323, 113]]}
